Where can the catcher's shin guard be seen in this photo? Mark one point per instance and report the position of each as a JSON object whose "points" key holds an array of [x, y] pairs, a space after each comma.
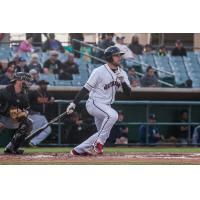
{"points": [[19, 137]]}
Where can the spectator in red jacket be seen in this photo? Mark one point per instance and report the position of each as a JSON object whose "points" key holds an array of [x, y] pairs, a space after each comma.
{"points": [[26, 45]]}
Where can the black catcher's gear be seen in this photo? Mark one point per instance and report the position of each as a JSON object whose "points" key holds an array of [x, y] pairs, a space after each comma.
{"points": [[21, 76]]}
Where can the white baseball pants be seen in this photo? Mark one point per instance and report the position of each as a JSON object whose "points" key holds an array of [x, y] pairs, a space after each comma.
{"points": [[105, 117]]}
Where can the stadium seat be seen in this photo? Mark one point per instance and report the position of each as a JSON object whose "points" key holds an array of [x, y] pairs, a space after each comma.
{"points": [[51, 78], [63, 83], [147, 60], [133, 63], [79, 80], [179, 69]]}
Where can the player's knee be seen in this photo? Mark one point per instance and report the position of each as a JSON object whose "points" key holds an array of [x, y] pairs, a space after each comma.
{"points": [[114, 116]]}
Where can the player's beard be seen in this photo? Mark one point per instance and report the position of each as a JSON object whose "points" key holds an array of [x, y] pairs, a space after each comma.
{"points": [[113, 65]]}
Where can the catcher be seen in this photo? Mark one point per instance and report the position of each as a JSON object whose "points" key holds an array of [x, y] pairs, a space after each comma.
{"points": [[14, 107]]}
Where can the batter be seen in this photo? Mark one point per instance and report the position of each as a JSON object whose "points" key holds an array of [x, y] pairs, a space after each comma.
{"points": [[102, 85]]}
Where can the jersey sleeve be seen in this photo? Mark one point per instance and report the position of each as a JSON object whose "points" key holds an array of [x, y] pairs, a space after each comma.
{"points": [[93, 80], [126, 78]]}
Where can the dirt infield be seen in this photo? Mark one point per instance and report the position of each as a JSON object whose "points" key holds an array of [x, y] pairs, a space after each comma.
{"points": [[107, 158]]}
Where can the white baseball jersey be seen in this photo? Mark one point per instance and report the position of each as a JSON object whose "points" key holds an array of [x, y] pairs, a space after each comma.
{"points": [[103, 84]]}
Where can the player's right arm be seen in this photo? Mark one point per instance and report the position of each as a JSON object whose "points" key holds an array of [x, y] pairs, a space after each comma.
{"points": [[89, 85]]}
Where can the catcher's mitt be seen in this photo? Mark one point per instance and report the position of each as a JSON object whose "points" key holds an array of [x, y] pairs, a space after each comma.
{"points": [[17, 114]]}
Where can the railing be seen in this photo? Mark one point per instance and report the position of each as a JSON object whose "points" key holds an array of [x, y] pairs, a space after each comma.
{"points": [[160, 81], [138, 73], [140, 63], [147, 105]]}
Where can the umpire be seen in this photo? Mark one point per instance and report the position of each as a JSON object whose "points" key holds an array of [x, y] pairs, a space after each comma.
{"points": [[14, 107]]}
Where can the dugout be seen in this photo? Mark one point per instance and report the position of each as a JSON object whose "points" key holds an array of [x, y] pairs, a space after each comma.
{"points": [[133, 113]]}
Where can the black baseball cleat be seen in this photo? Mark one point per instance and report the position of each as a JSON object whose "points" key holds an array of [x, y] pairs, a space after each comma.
{"points": [[11, 151]]}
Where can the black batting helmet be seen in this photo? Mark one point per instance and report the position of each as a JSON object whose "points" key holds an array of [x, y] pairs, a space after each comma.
{"points": [[21, 76], [110, 52]]}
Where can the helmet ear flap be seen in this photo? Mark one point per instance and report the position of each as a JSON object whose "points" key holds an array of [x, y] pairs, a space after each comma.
{"points": [[109, 59]]}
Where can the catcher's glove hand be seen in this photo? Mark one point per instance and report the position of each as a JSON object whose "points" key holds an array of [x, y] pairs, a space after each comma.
{"points": [[17, 114]]}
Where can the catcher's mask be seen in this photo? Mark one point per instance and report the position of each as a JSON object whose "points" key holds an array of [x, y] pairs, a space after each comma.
{"points": [[21, 76]]}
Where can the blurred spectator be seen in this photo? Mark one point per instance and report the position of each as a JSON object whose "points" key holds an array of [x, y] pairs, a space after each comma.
{"points": [[21, 67], [34, 64], [150, 79], [8, 75], [119, 133], [5, 40], [147, 49], [104, 43], [182, 131], [37, 38], [188, 83], [75, 128], [179, 49], [53, 64], [16, 59], [1, 69], [133, 77], [134, 46], [68, 68], [153, 133], [76, 45], [40, 98], [120, 44], [196, 135], [4, 64], [34, 76], [26, 45], [52, 44], [39, 101], [107, 42], [162, 51]]}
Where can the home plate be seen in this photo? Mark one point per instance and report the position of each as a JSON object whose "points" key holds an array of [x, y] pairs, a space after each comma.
{"points": [[41, 156]]}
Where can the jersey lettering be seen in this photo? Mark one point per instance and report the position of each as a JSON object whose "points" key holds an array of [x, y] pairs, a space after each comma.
{"points": [[112, 84]]}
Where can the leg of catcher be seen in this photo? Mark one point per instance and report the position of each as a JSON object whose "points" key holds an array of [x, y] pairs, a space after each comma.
{"points": [[19, 137], [39, 121]]}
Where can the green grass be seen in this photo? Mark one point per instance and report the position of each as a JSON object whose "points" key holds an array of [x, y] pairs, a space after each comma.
{"points": [[116, 149]]}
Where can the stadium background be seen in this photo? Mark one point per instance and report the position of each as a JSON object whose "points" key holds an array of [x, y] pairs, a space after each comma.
{"points": [[66, 90]]}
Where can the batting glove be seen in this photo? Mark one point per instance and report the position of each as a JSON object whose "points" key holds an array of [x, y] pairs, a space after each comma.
{"points": [[70, 108], [120, 75]]}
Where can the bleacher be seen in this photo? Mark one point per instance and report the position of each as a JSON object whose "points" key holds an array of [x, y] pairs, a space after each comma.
{"points": [[182, 68], [179, 69]]}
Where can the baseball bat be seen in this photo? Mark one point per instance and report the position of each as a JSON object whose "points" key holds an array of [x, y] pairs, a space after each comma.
{"points": [[38, 131]]}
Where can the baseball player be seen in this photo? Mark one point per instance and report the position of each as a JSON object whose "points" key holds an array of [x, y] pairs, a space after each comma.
{"points": [[101, 86], [14, 107]]}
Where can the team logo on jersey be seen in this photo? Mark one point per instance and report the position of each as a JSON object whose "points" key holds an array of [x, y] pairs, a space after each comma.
{"points": [[112, 84]]}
